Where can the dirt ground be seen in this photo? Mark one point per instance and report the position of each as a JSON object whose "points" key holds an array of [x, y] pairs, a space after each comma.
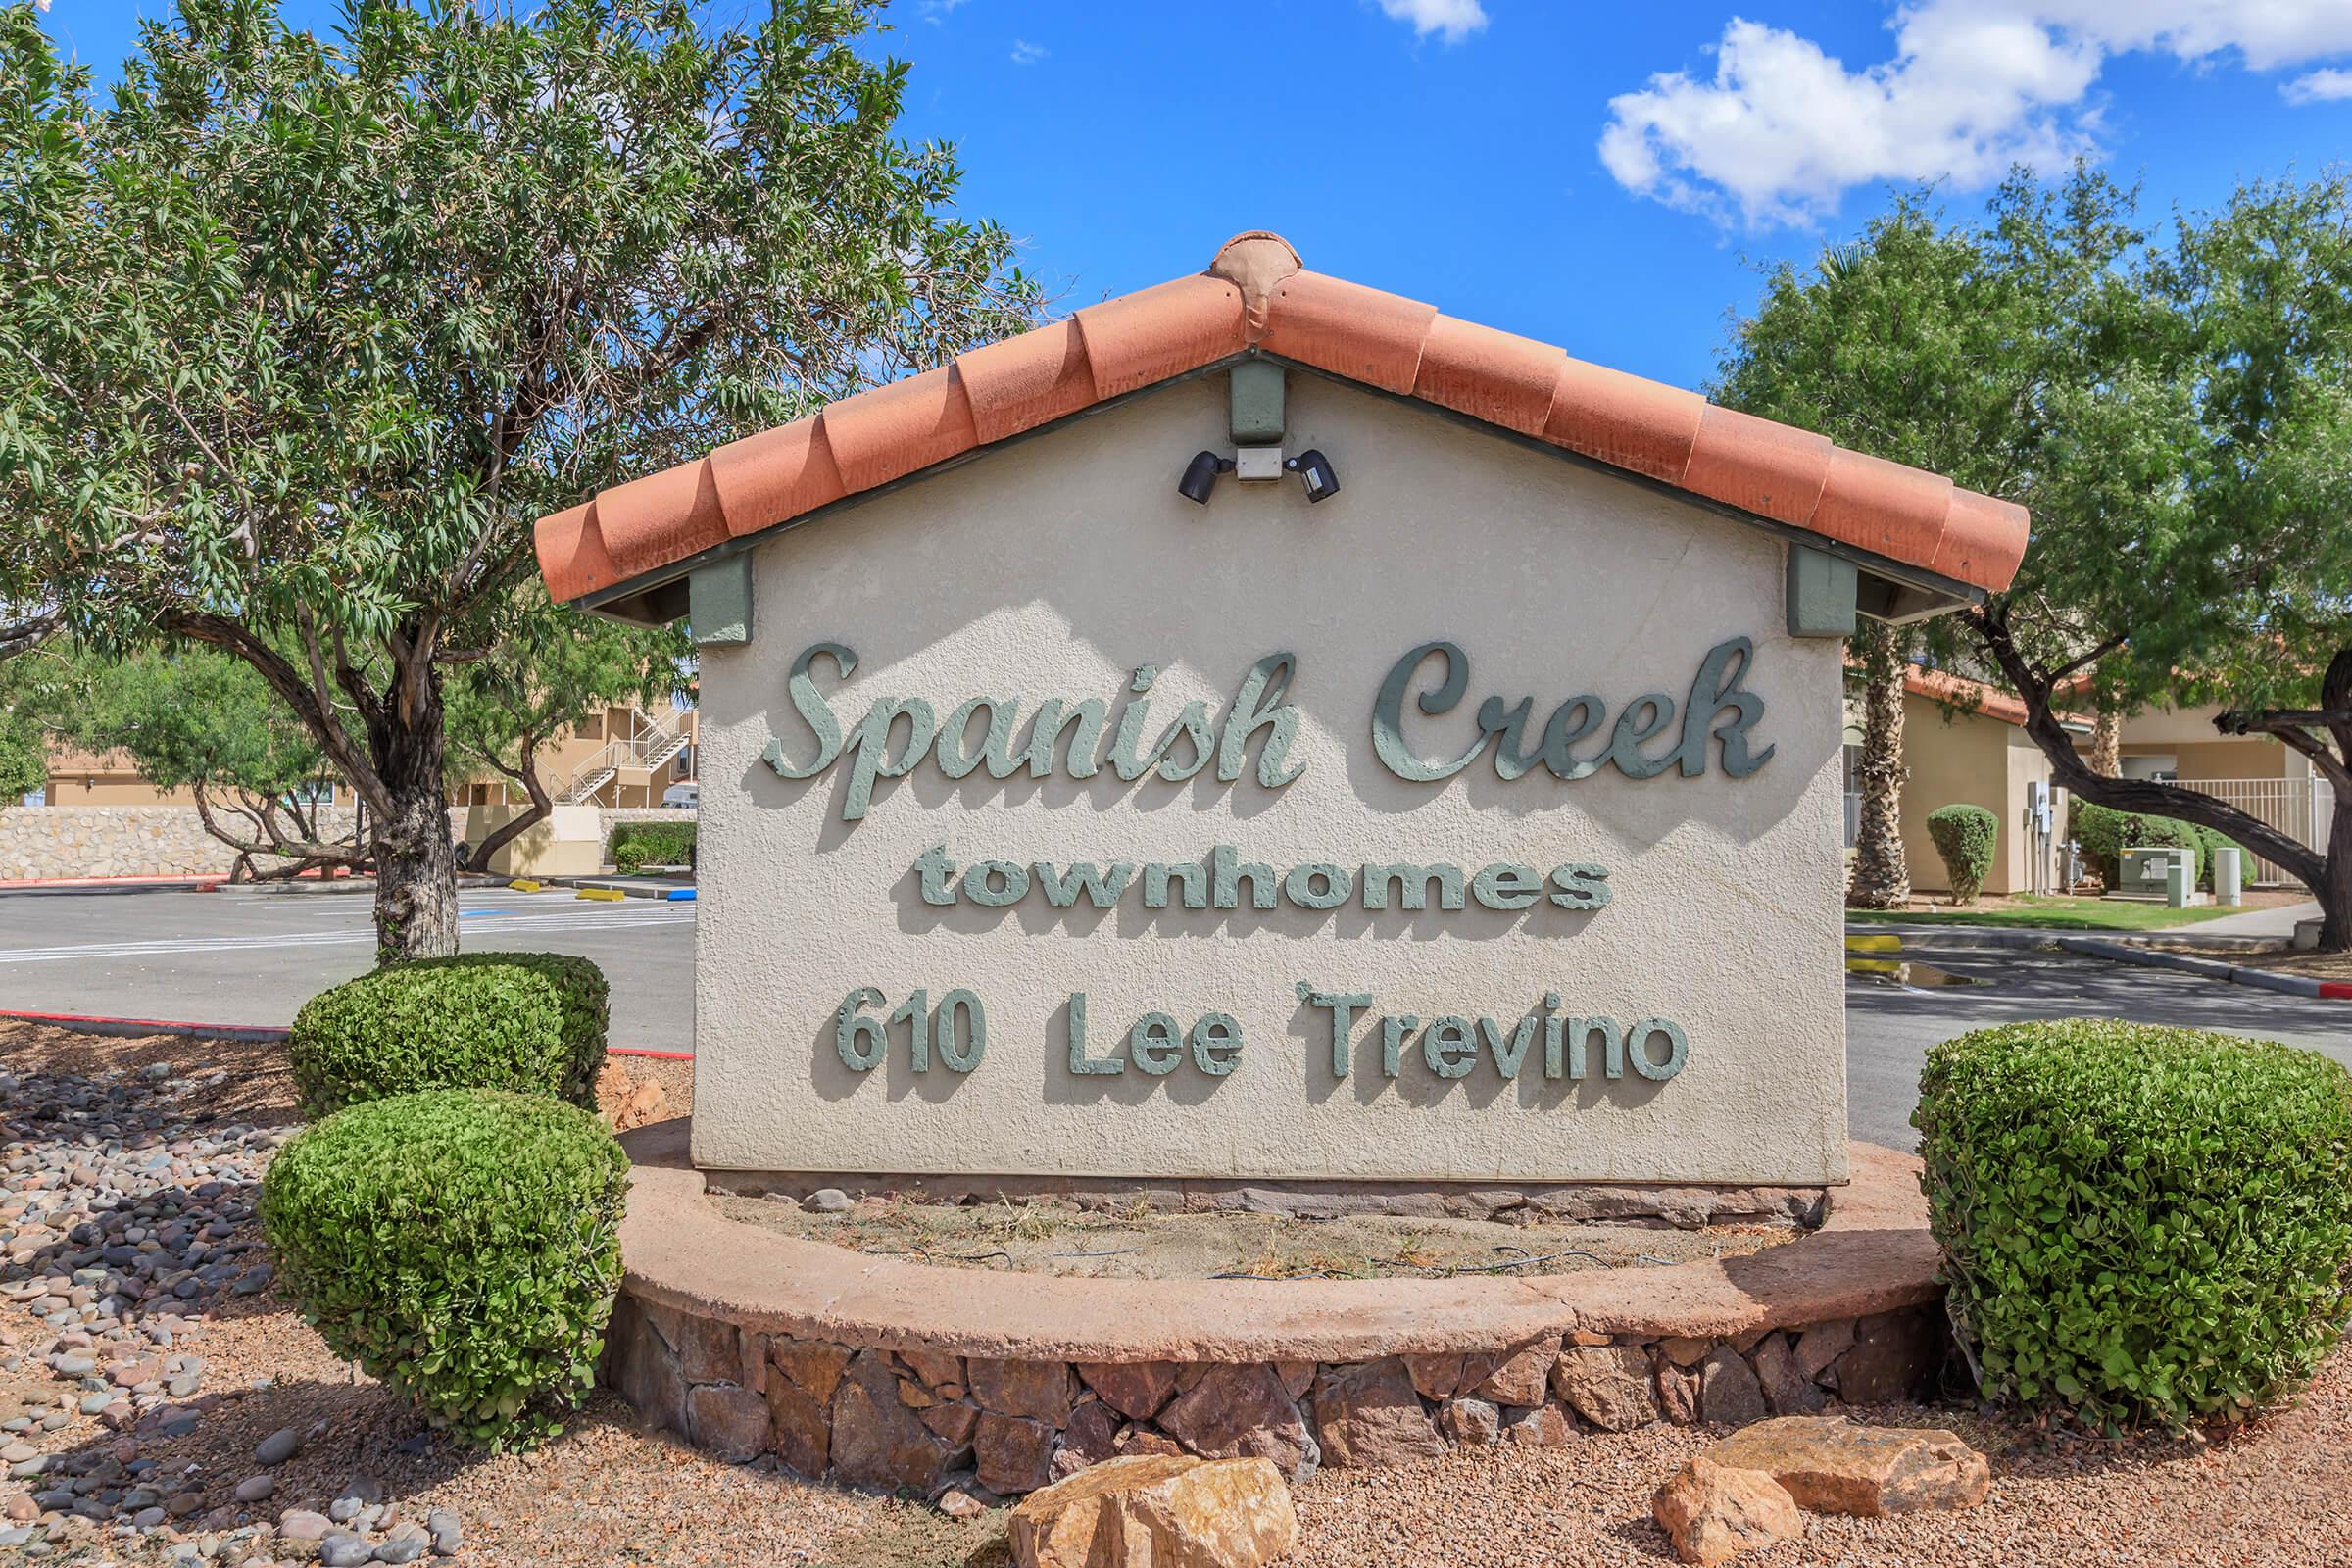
{"points": [[1044, 1239], [2313, 965], [607, 1493]]}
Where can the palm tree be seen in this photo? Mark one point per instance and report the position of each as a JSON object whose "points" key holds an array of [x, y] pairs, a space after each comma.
{"points": [[1881, 880]]}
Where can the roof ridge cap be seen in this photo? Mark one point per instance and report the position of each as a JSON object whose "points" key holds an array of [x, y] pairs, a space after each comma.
{"points": [[1255, 261]]}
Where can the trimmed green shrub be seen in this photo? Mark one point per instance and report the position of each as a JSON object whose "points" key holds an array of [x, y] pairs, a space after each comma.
{"points": [[2105, 833], [1964, 836], [533, 1022], [635, 846], [462, 1245], [2140, 1224]]}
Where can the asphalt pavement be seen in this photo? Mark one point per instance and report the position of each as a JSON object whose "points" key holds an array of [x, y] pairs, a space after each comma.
{"points": [[251, 957]]}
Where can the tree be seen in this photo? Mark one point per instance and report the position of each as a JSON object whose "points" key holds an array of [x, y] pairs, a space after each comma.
{"points": [[1854, 350], [202, 721], [298, 337], [2194, 457], [2174, 419], [549, 670]]}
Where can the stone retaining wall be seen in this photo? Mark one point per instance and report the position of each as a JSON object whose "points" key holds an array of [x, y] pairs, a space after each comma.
{"points": [[920, 1420], [883, 1373], [71, 841]]}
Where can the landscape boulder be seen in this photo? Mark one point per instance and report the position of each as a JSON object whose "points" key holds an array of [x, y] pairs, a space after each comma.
{"points": [[1157, 1511], [1712, 1512], [1831, 1465]]}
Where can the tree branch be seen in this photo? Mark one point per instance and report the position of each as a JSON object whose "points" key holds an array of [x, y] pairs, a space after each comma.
{"points": [[1991, 624]]}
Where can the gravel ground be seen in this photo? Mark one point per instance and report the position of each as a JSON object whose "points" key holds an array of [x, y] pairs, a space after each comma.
{"points": [[607, 1493], [1041, 1238]]}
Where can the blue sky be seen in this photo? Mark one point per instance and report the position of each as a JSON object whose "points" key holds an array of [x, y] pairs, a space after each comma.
{"points": [[1599, 175]]}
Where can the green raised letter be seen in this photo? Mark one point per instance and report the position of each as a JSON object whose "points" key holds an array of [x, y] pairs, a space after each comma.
{"points": [[814, 711]]}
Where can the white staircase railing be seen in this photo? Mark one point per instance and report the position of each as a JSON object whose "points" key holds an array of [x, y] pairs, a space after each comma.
{"points": [[649, 745]]}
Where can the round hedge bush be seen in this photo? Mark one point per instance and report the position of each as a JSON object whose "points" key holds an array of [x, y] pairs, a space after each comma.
{"points": [[2140, 1224], [1964, 836], [461, 1245], [533, 1022]]}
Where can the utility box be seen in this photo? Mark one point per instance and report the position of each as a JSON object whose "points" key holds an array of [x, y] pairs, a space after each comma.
{"points": [[2147, 874]]}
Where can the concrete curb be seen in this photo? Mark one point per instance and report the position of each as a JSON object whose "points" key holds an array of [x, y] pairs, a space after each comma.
{"points": [[84, 1023], [625, 887], [2045, 937], [2293, 984]]}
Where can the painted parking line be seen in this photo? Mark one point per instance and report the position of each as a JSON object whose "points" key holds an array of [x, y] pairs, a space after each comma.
{"points": [[594, 917]]}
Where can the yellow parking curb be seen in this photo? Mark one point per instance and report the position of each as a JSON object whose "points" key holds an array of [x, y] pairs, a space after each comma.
{"points": [[523, 884], [603, 895], [1873, 943]]}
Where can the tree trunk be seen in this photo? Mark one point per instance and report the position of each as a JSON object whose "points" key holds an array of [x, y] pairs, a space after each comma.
{"points": [[2327, 873], [1881, 879], [2335, 891], [415, 863], [542, 808], [2107, 742]]}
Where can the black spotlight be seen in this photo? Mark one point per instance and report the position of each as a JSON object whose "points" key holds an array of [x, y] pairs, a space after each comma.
{"points": [[1200, 475], [1315, 469]]}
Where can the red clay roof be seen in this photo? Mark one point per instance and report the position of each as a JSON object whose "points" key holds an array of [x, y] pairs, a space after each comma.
{"points": [[1973, 695], [1256, 295]]}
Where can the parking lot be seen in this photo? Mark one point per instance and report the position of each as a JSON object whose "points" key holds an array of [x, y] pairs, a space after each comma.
{"points": [[245, 956]]}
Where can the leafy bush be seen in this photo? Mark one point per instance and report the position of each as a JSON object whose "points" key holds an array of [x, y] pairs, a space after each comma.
{"points": [[527, 1021], [461, 1245], [2105, 833], [2139, 1223], [638, 845], [1964, 836]]}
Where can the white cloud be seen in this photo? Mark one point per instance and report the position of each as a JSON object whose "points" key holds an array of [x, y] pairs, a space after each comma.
{"points": [[1781, 130], [2319, 87], [1025, 53], [1452, 21], [935, 11]]}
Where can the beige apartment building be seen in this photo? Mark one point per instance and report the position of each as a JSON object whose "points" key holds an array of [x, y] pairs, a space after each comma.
{"points": [[624, 756], [1964, 742]]}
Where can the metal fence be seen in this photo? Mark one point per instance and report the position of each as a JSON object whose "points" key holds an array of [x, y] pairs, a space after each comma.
{"points": [[2301, 808]]}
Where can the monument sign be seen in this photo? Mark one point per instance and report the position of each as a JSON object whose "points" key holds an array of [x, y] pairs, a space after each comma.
{"points": [[1440, 786]]}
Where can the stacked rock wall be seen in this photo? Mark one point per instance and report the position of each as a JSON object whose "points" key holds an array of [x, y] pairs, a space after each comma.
{"points": [[919, 1420], [76, 841]]}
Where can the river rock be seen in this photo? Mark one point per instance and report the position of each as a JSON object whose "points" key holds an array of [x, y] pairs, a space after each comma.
{"points": [[1712, 1513], [1607, 1385], [1369, 1415], [1832, 1465], [1243, 1411], [1159, 1511]]}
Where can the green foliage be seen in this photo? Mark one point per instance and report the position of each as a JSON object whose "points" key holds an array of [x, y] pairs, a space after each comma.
{"points": [[2140, 1224], [638, 845], [1964, 835], [302, 331], [547, 669], [24, 758], [463, 1245], [531, 1022], [2104, 834]]}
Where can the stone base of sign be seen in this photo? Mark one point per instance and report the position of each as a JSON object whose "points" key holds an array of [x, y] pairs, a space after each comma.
{"points": [[1685, 1207], [880, 1373]]}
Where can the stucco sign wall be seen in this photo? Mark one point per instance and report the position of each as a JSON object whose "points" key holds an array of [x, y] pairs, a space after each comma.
{"points": [[1479, 825]]}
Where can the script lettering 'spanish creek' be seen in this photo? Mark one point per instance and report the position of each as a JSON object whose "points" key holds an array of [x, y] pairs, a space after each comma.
{"points": [[1066, 736]]}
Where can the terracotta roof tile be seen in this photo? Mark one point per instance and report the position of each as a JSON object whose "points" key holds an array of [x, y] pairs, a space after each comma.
{"points": [[1491, 375], [1254, 294], [1984, 539], [1884, 507], [1974, 696], [1643, 426], [663, 517], [901, 426], [1773, 471], [1139, 339], [1028, 380], [778, 473], [1350, 330]]}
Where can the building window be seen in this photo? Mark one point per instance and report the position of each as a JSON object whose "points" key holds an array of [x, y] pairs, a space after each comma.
{"points": [[316, 792]]}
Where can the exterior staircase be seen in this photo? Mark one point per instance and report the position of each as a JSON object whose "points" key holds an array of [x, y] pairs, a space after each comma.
{"points": [[648, 748]]}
